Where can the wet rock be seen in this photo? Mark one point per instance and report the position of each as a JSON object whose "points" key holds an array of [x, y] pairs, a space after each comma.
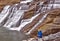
{"points": [[7, 35]]}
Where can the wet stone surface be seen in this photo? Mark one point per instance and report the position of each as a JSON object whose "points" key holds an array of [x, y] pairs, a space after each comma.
{"points": [[6, 35]]}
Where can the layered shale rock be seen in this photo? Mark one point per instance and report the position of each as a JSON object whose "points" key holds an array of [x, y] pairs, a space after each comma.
{"points": [[50, 25], [7, 2]]}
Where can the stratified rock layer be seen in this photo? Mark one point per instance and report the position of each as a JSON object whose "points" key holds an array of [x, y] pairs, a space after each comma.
{"points": [[7, 2]]}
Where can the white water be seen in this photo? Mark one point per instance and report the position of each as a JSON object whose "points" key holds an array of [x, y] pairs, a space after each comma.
{"points": [[17, 14], [27, 21], [4, 14], [27, 1], [14, 20], [39, 22]]}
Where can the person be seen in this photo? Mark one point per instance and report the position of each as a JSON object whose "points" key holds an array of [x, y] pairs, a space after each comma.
{"points": [[40, 34]]}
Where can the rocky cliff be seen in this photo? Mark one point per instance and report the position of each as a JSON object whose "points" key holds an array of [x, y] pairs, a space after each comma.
{"points": [[50, 25], [7, 2]]}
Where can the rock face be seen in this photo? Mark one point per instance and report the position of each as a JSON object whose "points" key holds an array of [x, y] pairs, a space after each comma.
{"points": [[51, 37], [49, 26], [7, 2], [52, 23]]}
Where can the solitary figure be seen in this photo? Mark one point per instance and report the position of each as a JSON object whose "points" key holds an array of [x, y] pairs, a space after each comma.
{"points": [[39, 34]]}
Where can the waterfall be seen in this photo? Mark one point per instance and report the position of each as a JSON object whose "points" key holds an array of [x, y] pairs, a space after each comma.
{"points": [[11, 17]]}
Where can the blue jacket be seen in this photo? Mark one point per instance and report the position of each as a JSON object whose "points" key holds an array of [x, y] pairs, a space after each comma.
{"points": [[40, 34]]}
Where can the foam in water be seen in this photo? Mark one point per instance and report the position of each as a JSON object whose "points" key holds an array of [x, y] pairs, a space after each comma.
{"points": [[4, 14], [27, 1], [24, 23], [15, 19]]}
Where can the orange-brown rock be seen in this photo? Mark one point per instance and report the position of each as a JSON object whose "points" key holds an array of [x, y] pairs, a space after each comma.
{"points": [[31, 11], [7, 2], [51, 23]]}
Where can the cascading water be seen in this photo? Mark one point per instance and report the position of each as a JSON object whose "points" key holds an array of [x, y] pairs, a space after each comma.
{"points": [[4, 14], [11, 17], [14, 15]]}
